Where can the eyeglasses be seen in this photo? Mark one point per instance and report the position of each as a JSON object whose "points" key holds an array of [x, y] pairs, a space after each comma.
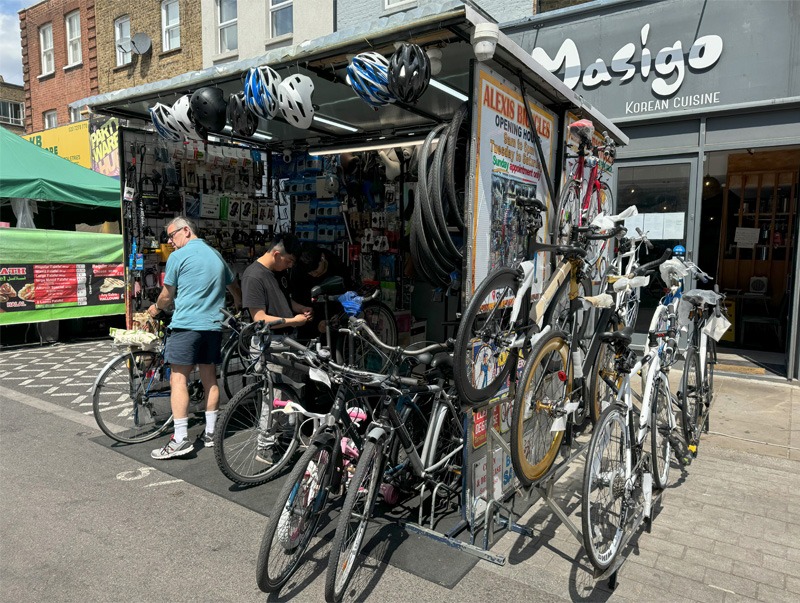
{"points": [[174, 232]]}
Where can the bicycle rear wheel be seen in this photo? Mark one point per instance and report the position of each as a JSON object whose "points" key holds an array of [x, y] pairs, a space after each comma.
{"points": [[566, 213], [131, 397], [295, 516], [603, 506], [691, 399], [241, 441], [358, 352], [352, 527], [540, 395], [233, 372], [483, 356], [660, 448]]}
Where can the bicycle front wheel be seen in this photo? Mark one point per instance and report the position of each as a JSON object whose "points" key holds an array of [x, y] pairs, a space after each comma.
{"points": [[353, 521], [295, 516], [483, 356], [660, 410], [539, 399], [247, 450], [131, 397], [691, 399], [603, 504]]}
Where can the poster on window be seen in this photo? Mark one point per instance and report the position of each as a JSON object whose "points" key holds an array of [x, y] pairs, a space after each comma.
{"points": [[508, 170]]}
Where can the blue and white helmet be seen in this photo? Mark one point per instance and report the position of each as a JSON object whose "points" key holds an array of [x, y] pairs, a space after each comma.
{"points": [[368, 75], [165, 123], [261, 91], [679, 251]]}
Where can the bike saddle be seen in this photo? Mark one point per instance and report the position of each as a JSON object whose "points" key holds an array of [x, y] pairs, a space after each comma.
{"points": [[622, 337], [442, 359], [331, 286]]}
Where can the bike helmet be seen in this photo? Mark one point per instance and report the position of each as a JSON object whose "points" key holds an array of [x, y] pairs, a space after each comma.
{"points": [[182, 112], [242, 121], [294, 99], [261, 91], [368, 75], [409, 73], [679, 251], [165, 123], [209, 108]]}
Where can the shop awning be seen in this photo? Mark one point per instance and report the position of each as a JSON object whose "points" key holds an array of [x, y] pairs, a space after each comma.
{"points": [[447, 24], [30, 172]]}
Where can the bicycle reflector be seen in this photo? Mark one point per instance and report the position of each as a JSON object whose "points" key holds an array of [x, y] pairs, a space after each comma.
{"points": [[562, 376]]}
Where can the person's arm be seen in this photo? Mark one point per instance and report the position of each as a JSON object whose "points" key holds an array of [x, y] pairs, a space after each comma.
{"points": [[260, 314], [236, 292], [165, 299]]}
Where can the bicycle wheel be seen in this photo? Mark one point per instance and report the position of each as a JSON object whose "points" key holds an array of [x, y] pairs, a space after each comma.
{"points": [[603, 506], [558, 313], [358, 352], [232, 374], [356, 513], [294, 518], [246, 453], [566, 213], [483, 356], [447, 443], [599, 202], [691, 399], [711, 360], [660, 411], [541, 392], [130, 399], [600, 393]]}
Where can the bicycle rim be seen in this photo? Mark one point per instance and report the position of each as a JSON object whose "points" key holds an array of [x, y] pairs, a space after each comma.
{"points": [[603, 499], [540, 395], [691, 399], [600, 393], [294, 518], [566, 214], [131, 397], [659, 434], [483, 356]]}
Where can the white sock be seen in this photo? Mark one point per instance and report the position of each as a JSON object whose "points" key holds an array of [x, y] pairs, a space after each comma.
{"points": [[181, 429], [211, 420]]}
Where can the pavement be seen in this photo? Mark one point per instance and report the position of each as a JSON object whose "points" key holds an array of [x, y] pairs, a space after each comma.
{"points": [[81, 522]]}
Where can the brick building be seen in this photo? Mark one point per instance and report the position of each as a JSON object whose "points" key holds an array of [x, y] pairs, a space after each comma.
{"points": [[173, 28], [12, 106], [58, 60]]}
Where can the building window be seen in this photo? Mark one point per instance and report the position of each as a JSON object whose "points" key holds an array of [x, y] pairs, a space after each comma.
{"points": [[387, 4], [12, 113], [226, 16], [122, 39], [280, 15], [46, 46], [170, 25], [75, 115], [73, 22], [50, 119]]}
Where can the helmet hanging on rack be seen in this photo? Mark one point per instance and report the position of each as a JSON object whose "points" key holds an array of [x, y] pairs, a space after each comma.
{"points": [[241, 120], [209, 108], [165, 123], [294, 98], [409, 73], [261, 91], [367, 74], [182, 112]]}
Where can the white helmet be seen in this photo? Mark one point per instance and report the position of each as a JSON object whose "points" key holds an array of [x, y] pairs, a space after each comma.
{"points": [[165, 123], [182, 112], [294, 98]]}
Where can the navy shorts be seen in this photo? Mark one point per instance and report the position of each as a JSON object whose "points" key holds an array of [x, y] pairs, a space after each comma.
{"points": [[193, 347]]}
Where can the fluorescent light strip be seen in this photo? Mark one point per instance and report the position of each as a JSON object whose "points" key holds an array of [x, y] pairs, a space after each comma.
{"points": [[398, 142], [335, 124], [449, 90]]}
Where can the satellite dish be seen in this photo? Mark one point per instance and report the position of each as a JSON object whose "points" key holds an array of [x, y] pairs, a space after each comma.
{"points": [[140, 43]]}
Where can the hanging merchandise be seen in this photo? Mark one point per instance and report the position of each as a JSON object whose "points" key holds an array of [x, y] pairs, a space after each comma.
{"points": [[294, 98], [209, 109], [368, 75], [182, 111], [165, 123], [409, 73], [261, 91], [242, 121]]}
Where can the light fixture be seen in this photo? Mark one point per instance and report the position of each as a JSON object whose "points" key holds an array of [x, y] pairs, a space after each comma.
{"points": [[711, 187], [335, 124], [228, 131], [435, 57], [368, 146], [449, 90], [484, 40]]}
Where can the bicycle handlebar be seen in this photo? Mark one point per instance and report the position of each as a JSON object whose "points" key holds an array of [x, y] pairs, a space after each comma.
{"points": [[359, 325], [644, 239], [651, 266]]}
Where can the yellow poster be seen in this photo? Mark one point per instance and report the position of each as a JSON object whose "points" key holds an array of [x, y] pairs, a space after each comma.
{"points": [[70, 142]]}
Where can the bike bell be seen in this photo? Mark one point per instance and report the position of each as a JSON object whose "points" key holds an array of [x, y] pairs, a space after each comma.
{"points": [[679, 251]]}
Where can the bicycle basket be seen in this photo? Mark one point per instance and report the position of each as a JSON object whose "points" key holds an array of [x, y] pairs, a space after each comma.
{"points": [[135, 339]]}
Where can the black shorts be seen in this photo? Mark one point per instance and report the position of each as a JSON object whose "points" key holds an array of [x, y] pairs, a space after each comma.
{"points": [[193, 347]]}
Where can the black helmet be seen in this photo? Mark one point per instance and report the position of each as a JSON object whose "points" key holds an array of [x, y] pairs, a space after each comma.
{"points": [[242, 121], [208, 108], [409, 73]]}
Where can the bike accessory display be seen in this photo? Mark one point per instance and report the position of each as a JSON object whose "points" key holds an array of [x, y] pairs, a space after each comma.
{"points": [[409, 73], [294, 99], [368, 75], [209, 108]]}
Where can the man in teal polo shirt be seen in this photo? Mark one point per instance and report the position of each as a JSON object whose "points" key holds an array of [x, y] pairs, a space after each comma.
{"points": [[195, 281]]}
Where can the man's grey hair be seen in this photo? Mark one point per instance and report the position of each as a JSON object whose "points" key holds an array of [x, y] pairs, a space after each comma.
{"points": [[180, 222]]}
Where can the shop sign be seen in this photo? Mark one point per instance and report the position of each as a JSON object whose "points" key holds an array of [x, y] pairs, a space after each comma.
{"points": [[104, 143], [70, 142]]}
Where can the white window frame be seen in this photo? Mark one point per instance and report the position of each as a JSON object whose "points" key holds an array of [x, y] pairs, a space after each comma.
{"points": [[274, 8], [123, 58], [46, 116], [75, 115], [392, 4], [48, 59], [226, 25], [74, 49], [11, 120], [167, 28]]}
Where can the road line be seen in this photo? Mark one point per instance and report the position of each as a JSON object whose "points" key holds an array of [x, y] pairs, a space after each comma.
{"points": [[725, 590], [164, 483], [55, 409]]}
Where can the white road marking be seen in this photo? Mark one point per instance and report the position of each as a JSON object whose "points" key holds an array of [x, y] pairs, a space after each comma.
{"points": [[164, 483], [722, 589], [134, 474]]}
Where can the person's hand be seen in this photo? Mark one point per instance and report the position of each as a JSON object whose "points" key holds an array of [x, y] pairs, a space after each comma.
{"points": [[300, 319], [153, 310]]}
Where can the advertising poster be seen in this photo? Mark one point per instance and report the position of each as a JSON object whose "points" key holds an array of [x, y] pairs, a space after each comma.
{"points": [[70, 142], [507, 168], [104, 144], [53, 275]]}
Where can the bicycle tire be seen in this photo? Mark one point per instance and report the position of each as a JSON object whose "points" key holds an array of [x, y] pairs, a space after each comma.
{"points": [[566, 215], [711, 360], [603, 506], [233, 373], [597, 204], [600, 394], [691, 399], [453, 138], [236, 436], [447, 442], [438, 219], [424, 262], [147, 412], [354, 351], [352, 525], [544, 385], [295, 517], [558, 312], [660, 448], [490, 329]]}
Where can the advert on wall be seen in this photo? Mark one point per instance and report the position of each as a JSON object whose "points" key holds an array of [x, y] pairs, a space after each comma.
{"points": [[104, 145]]}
